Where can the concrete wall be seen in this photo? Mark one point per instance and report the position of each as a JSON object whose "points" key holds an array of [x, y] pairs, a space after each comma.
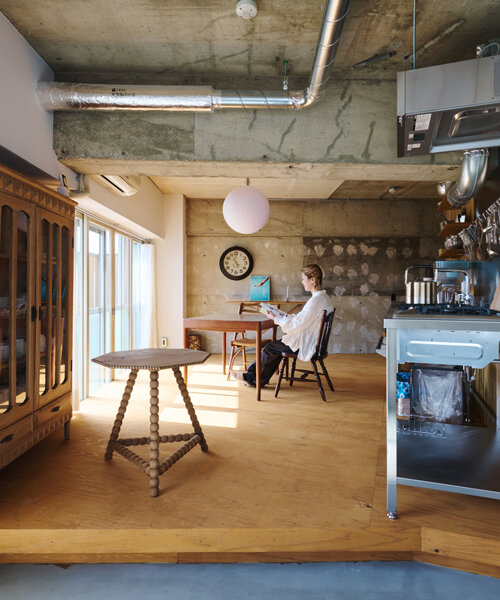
{"points": [[363, 247]]}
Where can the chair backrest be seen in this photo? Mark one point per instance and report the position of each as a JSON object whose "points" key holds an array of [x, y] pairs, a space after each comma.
{"points": [[248, 307], [324, 336]]}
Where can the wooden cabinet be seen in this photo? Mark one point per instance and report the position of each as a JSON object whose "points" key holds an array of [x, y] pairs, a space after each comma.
{"points": [[36, 270]]}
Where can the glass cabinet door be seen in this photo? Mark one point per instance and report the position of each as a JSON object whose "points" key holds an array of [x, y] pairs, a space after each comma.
{"points": [[54, 341], [16, 308]]}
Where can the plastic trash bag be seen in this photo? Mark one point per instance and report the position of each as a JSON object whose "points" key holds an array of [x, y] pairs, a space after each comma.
{"points": [[437, 395]]}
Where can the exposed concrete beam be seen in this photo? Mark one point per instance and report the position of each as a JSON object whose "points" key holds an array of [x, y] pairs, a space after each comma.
{"points": [[354, 124], [306, 171]]}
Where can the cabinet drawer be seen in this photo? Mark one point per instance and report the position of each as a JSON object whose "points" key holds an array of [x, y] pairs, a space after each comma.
{"points": [[15, 439], [52, 415]]}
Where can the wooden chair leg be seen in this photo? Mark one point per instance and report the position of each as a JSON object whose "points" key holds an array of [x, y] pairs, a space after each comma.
{"points": [[244, 352], [318, 379], [284, 363], [294, 363], [231, 362], [325, 373]]}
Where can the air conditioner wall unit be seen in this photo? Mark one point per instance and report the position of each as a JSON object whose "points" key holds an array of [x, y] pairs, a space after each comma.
{"points": [[121, 185]]}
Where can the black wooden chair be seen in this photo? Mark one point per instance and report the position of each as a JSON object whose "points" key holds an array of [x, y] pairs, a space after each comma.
{"points": [[319, 355]]}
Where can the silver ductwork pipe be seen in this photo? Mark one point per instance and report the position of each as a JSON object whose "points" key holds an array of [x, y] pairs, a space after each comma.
{"points": [[97, 96], [472, 178], [82, 96]]}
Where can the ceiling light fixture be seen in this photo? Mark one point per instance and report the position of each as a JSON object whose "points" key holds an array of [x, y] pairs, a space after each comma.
{"points": [[246, 9], [246, 209]]}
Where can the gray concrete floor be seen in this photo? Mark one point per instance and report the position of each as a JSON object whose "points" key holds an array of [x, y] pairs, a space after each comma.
{"points": [[332, 581]]}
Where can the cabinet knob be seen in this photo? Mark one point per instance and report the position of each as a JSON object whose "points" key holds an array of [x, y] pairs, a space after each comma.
{"points": [[7, 438]]}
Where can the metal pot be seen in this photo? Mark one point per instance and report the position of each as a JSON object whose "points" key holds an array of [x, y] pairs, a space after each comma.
{"points": [[423, 289]]}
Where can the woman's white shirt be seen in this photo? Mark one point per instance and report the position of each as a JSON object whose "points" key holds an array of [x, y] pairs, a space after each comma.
{"points": [[301, 330]]}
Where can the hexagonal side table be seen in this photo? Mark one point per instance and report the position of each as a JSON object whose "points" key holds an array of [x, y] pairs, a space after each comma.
{"points": [[153, 360]]}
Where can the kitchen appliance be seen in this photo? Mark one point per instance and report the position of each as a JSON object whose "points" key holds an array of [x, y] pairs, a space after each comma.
{"points": [[449, 107], [421, 286], [453, 286], [442, 309]]}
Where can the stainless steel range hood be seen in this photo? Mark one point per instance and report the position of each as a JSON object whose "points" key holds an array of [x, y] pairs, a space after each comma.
{"points": [[449, 107]]}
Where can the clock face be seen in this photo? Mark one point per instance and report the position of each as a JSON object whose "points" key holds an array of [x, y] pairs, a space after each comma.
{"points": [[236, 263]]}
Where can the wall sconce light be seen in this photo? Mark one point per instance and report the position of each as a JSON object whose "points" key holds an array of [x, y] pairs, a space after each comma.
{"points": [[246, 209]]}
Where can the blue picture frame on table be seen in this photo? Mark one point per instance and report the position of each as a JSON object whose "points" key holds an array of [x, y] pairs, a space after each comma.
{"points": [[260, 288]]}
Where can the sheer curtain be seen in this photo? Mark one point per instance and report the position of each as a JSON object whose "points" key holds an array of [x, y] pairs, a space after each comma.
{"points": [[75, 390], [145, 335]]}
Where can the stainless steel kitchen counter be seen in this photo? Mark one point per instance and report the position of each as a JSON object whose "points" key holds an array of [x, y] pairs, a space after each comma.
{"points": [[411, 319], [466, 340]]}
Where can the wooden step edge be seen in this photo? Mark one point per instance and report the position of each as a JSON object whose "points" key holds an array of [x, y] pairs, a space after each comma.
{"points": [[474, 554], [470, 566], [460, 550], [207, 545]]}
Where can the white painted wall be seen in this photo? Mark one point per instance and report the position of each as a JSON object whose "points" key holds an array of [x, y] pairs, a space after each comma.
{"points": [[25, 127], [171, 269], [141, 213], [26, 130]]}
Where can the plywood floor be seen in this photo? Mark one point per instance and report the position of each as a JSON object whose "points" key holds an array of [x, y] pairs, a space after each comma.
{"points": [[290, 478]]}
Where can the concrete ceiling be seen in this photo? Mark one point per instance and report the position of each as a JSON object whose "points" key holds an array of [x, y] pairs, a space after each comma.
{"points": [[204, 42]]}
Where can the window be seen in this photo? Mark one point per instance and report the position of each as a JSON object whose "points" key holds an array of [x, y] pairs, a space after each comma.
{"points": [[106, 271]]}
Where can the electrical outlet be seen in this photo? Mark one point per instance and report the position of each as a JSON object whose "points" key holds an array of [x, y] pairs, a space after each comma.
{"points": [[164, 342]]}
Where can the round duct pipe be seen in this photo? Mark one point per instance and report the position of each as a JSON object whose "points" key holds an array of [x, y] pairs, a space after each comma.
{"points": [[472, 177], [85, 96]]}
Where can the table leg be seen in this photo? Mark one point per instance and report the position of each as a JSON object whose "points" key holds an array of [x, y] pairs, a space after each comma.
{"points": [[224, 352], [392, 435], [121, 413], [258, 344], [186, 343], [189, 407], [154, 437]]}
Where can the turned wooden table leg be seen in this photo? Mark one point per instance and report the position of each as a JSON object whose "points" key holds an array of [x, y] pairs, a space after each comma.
{"points": [[186, 345], [154, 444], [224, 352], [121, 413], [189, 407]]}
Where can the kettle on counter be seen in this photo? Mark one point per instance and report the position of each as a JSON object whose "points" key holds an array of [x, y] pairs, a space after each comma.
{"points": [[421, 284]]}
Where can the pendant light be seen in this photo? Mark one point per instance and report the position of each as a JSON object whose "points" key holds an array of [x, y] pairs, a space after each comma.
{"points": [[246, 209]]}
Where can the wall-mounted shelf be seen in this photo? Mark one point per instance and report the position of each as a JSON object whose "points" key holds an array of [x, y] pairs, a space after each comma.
{"points": [[444, 205], [451, 253], [452, 229]]}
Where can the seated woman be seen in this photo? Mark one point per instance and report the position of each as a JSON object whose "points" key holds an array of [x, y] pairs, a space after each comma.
{"points": [[300, 330]]}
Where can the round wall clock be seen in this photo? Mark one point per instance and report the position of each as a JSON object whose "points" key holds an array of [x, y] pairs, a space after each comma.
{"points": [[236, 263]]}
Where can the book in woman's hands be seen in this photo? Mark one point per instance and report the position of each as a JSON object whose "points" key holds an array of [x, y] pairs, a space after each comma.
{"points": [[265, 308]]}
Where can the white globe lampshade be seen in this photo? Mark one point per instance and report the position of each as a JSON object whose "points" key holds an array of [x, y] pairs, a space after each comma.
{"points": [[246, 209]]}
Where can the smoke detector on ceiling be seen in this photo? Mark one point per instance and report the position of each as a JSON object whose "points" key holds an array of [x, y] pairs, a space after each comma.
{"points": [[247, 9]]}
